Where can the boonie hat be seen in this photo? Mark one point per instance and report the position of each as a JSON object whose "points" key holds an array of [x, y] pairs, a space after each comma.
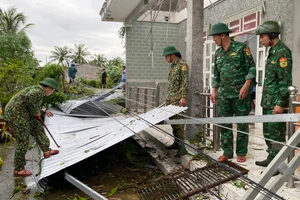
{"points": [[219, 28], [169, 50], [50, 82]]}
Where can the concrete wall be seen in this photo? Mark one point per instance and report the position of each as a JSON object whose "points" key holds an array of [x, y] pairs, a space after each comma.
{"points": [[139, 70], [138, 63], [86, 71]]}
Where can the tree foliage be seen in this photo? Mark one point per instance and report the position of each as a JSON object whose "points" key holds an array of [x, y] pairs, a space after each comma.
{"points": [[99, 60], [61, 55], [18, 66], [11, 21], [16, 46], [79, 54], [122, 33], [114, 71], [14, 76]]}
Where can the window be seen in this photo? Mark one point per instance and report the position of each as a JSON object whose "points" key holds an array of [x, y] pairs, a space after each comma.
{"points": [[245, 22]]}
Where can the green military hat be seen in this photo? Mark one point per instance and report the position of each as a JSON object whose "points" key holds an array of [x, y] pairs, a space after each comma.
{"points": [[268, 27], [169, 50], [50, 82], [219, 28]]}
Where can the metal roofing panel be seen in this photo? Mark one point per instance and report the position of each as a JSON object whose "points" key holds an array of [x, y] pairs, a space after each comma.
{"points": [[90, 136]]}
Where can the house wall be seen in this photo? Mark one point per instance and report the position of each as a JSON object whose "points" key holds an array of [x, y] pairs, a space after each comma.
{"points": [[277, 10], [182, 28], [138, 47], [139, 70]]}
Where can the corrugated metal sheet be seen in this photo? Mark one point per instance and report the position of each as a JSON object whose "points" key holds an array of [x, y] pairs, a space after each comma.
{"points": [[81, 138], [92, 105]]}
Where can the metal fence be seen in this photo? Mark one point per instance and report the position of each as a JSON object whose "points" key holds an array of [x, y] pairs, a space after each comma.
{"points": [[146, 98], [291, 126], [209, 111]]}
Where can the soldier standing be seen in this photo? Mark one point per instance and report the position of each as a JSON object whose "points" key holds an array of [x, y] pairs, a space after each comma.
{"points": [[22, 114], [234, 72], [177, 91], [278, 77]]}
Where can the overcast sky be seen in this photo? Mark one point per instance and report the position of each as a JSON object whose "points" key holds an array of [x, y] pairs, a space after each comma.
{"points": [[66, 23]]}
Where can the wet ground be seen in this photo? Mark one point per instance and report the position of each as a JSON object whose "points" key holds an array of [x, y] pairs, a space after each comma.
{"points": [[116, 173]]}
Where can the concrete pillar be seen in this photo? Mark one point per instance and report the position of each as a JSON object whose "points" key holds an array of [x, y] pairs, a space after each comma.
{"points": [[296, 43], [194, 57]]}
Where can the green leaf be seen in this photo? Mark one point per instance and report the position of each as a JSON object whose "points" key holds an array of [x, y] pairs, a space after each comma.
{"points": [[113, 191]]}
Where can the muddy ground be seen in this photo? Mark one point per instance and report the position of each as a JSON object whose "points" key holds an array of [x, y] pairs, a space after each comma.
{"points": [[117, 173]]}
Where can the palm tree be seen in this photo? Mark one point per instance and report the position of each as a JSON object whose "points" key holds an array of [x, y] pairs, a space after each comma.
{"points": [[80, 53], [117, 61], [61, 55], [11, 21], [99, 60]]}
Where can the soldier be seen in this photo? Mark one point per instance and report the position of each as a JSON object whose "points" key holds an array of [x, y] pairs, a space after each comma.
{"points": [[232, 86], [278, 77], [177, 91], [22, 114]]}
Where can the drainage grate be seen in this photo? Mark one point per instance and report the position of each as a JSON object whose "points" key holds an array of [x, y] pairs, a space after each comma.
{"points": [[182, 185]]}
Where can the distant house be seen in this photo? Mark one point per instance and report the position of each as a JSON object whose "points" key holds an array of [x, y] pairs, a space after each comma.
{"points": [[86, 71]]}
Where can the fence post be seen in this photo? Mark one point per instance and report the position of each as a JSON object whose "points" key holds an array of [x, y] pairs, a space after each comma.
{"points": [[128, 104], [291, 128], [145, 99], [216, 132], [157, 95], [137, 99]]}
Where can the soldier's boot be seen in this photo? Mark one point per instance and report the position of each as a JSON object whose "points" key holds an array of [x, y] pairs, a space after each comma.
{"points": [[181, 152], [264, 163], [175, 145]]}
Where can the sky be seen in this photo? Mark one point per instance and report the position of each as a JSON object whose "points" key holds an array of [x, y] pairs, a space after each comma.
{"points": [[66, 23]]}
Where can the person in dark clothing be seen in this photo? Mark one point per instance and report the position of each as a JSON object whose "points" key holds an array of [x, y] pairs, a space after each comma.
{"points": [[103, 78], [72, 73]]}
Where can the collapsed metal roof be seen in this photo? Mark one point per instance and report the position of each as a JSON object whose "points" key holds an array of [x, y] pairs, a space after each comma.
{"points": [[82, 137]]}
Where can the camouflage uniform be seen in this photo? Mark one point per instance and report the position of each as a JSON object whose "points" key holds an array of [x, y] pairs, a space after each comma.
{"points": [[19, 113], [278, 77], [177, 89], [232, 68]]}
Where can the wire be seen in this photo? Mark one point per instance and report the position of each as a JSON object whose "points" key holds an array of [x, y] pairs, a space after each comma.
{"points": [[202, 120], [258, 188], [158, 150]]}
